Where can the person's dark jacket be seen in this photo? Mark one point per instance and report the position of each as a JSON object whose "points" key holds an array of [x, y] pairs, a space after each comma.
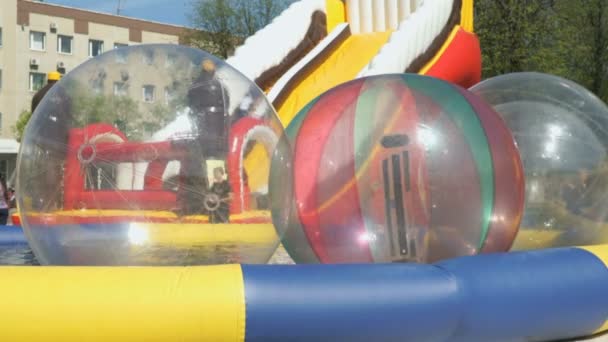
{"points": [[40, 94]]}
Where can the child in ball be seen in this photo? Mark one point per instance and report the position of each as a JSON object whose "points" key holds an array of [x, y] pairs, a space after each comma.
{"points": [[222, 189]]}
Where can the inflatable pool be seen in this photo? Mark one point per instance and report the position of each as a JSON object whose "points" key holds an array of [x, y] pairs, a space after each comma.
{"points": [[543, 295]]}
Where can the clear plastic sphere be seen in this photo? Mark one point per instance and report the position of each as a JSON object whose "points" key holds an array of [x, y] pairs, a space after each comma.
{"points": [[400, 168], [561, 132], [150, 155]]}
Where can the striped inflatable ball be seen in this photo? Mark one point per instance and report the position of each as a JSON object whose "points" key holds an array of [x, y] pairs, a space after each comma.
{"points": [[396, 168]]}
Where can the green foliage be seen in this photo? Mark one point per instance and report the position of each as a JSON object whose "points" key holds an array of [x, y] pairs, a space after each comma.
{"points": [[221, 25], [568, 38], [511, 34], [255, 14], [218, 44], [22, 120], [136, 120]]}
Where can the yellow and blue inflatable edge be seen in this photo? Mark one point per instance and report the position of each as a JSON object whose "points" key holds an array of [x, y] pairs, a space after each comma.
{"points": [[540, 295]]}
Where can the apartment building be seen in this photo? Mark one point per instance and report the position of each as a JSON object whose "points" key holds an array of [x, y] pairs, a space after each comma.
{"points": [[37, 38]]}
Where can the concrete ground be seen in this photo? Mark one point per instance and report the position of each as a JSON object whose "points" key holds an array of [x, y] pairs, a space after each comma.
{"points": [[602, 338]]}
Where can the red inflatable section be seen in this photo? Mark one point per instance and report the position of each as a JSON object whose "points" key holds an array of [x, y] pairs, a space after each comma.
{"points": [[102, 142], [508, 179], [401, 169], [334, 194], [153, 180], [78, 139], [309, 150], [236, 170], [460, 63], [16, 219], [105, 143]]}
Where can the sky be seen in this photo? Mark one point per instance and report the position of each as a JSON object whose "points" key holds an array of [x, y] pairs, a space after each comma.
{"points": [[164, 11]]}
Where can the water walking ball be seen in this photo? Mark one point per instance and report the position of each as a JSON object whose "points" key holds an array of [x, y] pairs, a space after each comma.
{"points": [[150, 155], [399, 168], [560, 129]]}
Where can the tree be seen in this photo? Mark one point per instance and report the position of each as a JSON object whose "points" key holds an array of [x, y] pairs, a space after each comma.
{"points": [[134, 119], [509, 31], [21, 123], [221, 25], [568, 38], [583, 36]]}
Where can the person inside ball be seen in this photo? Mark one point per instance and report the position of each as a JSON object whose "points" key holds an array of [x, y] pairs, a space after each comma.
{"points": [[221, 188], [208, 102]]}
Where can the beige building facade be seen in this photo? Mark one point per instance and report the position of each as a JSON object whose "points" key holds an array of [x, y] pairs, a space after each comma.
{"points": [[37, 38]]}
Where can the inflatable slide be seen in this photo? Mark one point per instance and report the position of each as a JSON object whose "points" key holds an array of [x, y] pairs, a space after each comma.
{"points": [[316, 45]]}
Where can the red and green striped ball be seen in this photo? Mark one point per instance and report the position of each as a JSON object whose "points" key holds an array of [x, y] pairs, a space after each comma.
{"points": [[397, 168]]}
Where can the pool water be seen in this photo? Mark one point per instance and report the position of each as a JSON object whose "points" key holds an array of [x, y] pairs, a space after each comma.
{"points": [[23, 255], [17, 255]]}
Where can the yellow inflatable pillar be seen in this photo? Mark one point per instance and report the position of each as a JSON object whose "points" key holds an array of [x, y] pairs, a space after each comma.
{"points": [[467, 15], [335, 13], [601, 252], [122, 304]]}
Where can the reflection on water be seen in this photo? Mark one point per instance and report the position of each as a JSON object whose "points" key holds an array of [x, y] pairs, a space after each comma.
{"points": [[23, 255], [242, 254], [197, 255], [17, 255]]}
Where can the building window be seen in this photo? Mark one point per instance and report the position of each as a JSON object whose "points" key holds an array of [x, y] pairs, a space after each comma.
{"points": [[0, 122], [148, 57], [169, 95], [36, 80], [95, 47], [120, 89], [148, 93], [64, 44], [0, 79], [97, 82], [121, 56], [97, 88], [0, 36], [171, 60], [37, 40]]}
